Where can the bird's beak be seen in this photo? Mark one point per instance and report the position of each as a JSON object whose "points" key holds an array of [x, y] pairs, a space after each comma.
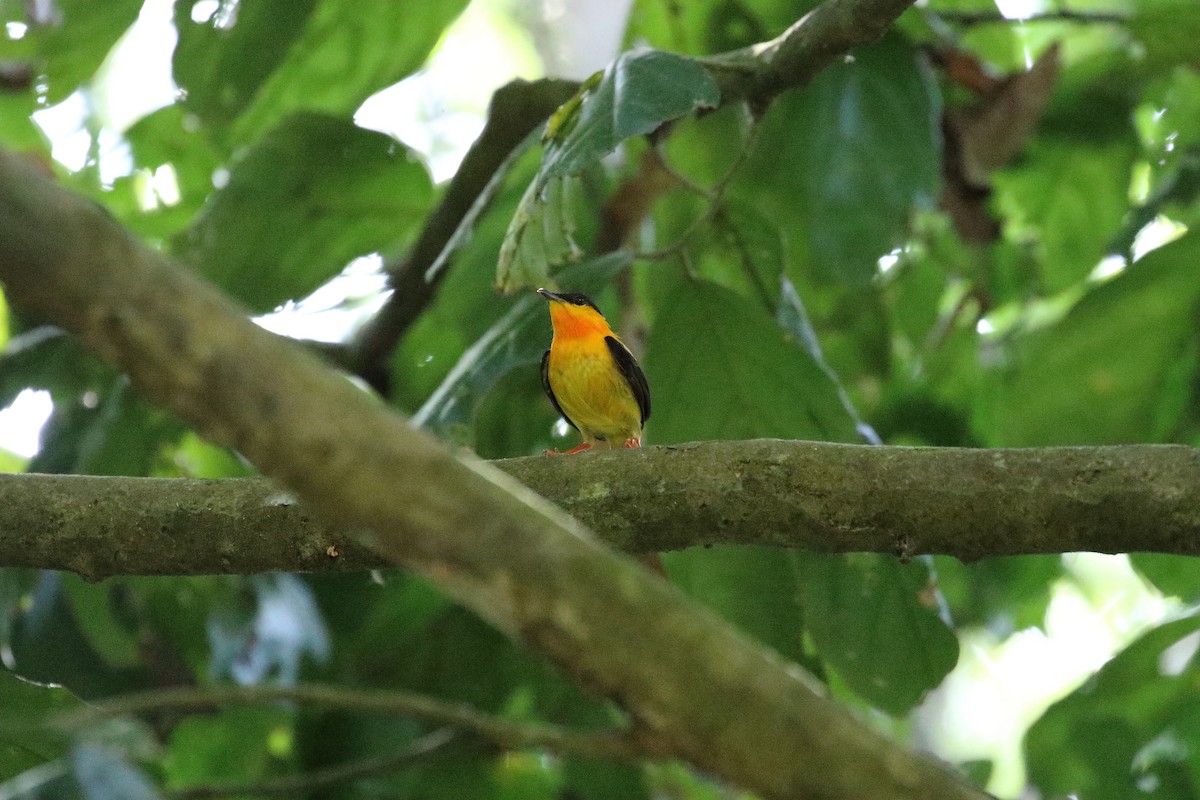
{"points": [[551, 296]]}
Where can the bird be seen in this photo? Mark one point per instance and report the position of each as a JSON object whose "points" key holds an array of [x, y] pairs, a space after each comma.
{"points": [[590, 376]]}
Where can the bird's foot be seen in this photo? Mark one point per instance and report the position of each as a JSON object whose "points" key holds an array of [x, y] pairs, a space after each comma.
{"points": [[634, 442]]}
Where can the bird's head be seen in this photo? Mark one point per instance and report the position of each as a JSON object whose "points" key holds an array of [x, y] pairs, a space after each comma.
{"points": [[574, 314]]}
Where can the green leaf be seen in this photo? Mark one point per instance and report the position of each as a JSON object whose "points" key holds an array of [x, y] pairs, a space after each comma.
{"points": [[1169, 30], [721, 368], [48, 358], [520, 337], [95, 608], [1004, 594], [347, 52], [876, 621], [756, 588], [10, 462], [639, 91], [17, 129], [24, 707], [1126, 730], [47, 646], [842, 164], [1173, 575], [601, 780], [230, 746], [77, 39], [1113, 370], [793, 318], [123, 436], [168, 137], [221, 62], [301, 204], [540, 236], [1069, 198], [636, 94]]}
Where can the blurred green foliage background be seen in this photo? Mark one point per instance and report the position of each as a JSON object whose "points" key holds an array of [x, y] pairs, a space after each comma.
{"points": [[977, 232]]}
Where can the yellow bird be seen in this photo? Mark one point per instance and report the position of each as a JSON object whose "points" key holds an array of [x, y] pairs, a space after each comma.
{"points": [[590, 376]]}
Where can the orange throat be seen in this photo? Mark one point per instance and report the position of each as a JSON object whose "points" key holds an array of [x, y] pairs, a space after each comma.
{"points": [[576, 322]]}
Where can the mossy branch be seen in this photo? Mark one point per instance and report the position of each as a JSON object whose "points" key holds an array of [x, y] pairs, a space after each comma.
{"points": [[970, 504]]}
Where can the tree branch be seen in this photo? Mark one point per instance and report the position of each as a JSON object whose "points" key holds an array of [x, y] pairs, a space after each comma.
{"points": [[969, 18], [761, 72], [494, 545], [614, 745], [969, 504]]}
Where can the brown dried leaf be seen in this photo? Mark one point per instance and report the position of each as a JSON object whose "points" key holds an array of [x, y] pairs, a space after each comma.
{"points": [[994, 130]]}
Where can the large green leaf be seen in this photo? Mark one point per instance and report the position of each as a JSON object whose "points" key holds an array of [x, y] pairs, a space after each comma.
{"points": [[76, 38], [635, 95], [221, 61], [347, 52], [301, 204], [1169, 30], [756, 588], [842, 164], [229, 746], [720, 368], [1171, 574], [47, 646], [1114, 370], [24, 707], [17, 129], [876, 621], [97, 611], [1127, 731], [1068, 197]]}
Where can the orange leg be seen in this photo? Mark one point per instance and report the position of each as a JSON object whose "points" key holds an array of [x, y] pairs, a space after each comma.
{"points": [[633, 442]]}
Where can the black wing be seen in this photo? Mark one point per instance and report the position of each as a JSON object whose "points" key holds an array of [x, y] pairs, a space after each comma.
{"points": [[550, 392], [628, 366]]}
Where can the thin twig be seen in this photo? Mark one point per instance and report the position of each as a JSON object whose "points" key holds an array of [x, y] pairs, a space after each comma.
{"points": [[301, 785], [715, 196], [510, 735], [745, 260], [993, 18]]}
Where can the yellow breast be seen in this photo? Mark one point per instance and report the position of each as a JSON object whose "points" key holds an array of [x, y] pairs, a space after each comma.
{"points": [[591, 390]]}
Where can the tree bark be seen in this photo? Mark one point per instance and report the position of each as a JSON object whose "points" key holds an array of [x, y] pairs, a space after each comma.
{"points": [[697, 690], [969, 504]]}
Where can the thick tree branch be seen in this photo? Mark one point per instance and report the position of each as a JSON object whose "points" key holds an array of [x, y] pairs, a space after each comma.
{"points": [[495, 546], [761, 72], [825, 497]]}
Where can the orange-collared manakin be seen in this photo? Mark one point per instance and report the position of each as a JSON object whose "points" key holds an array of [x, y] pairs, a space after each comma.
{"points": [[591, 377]]}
